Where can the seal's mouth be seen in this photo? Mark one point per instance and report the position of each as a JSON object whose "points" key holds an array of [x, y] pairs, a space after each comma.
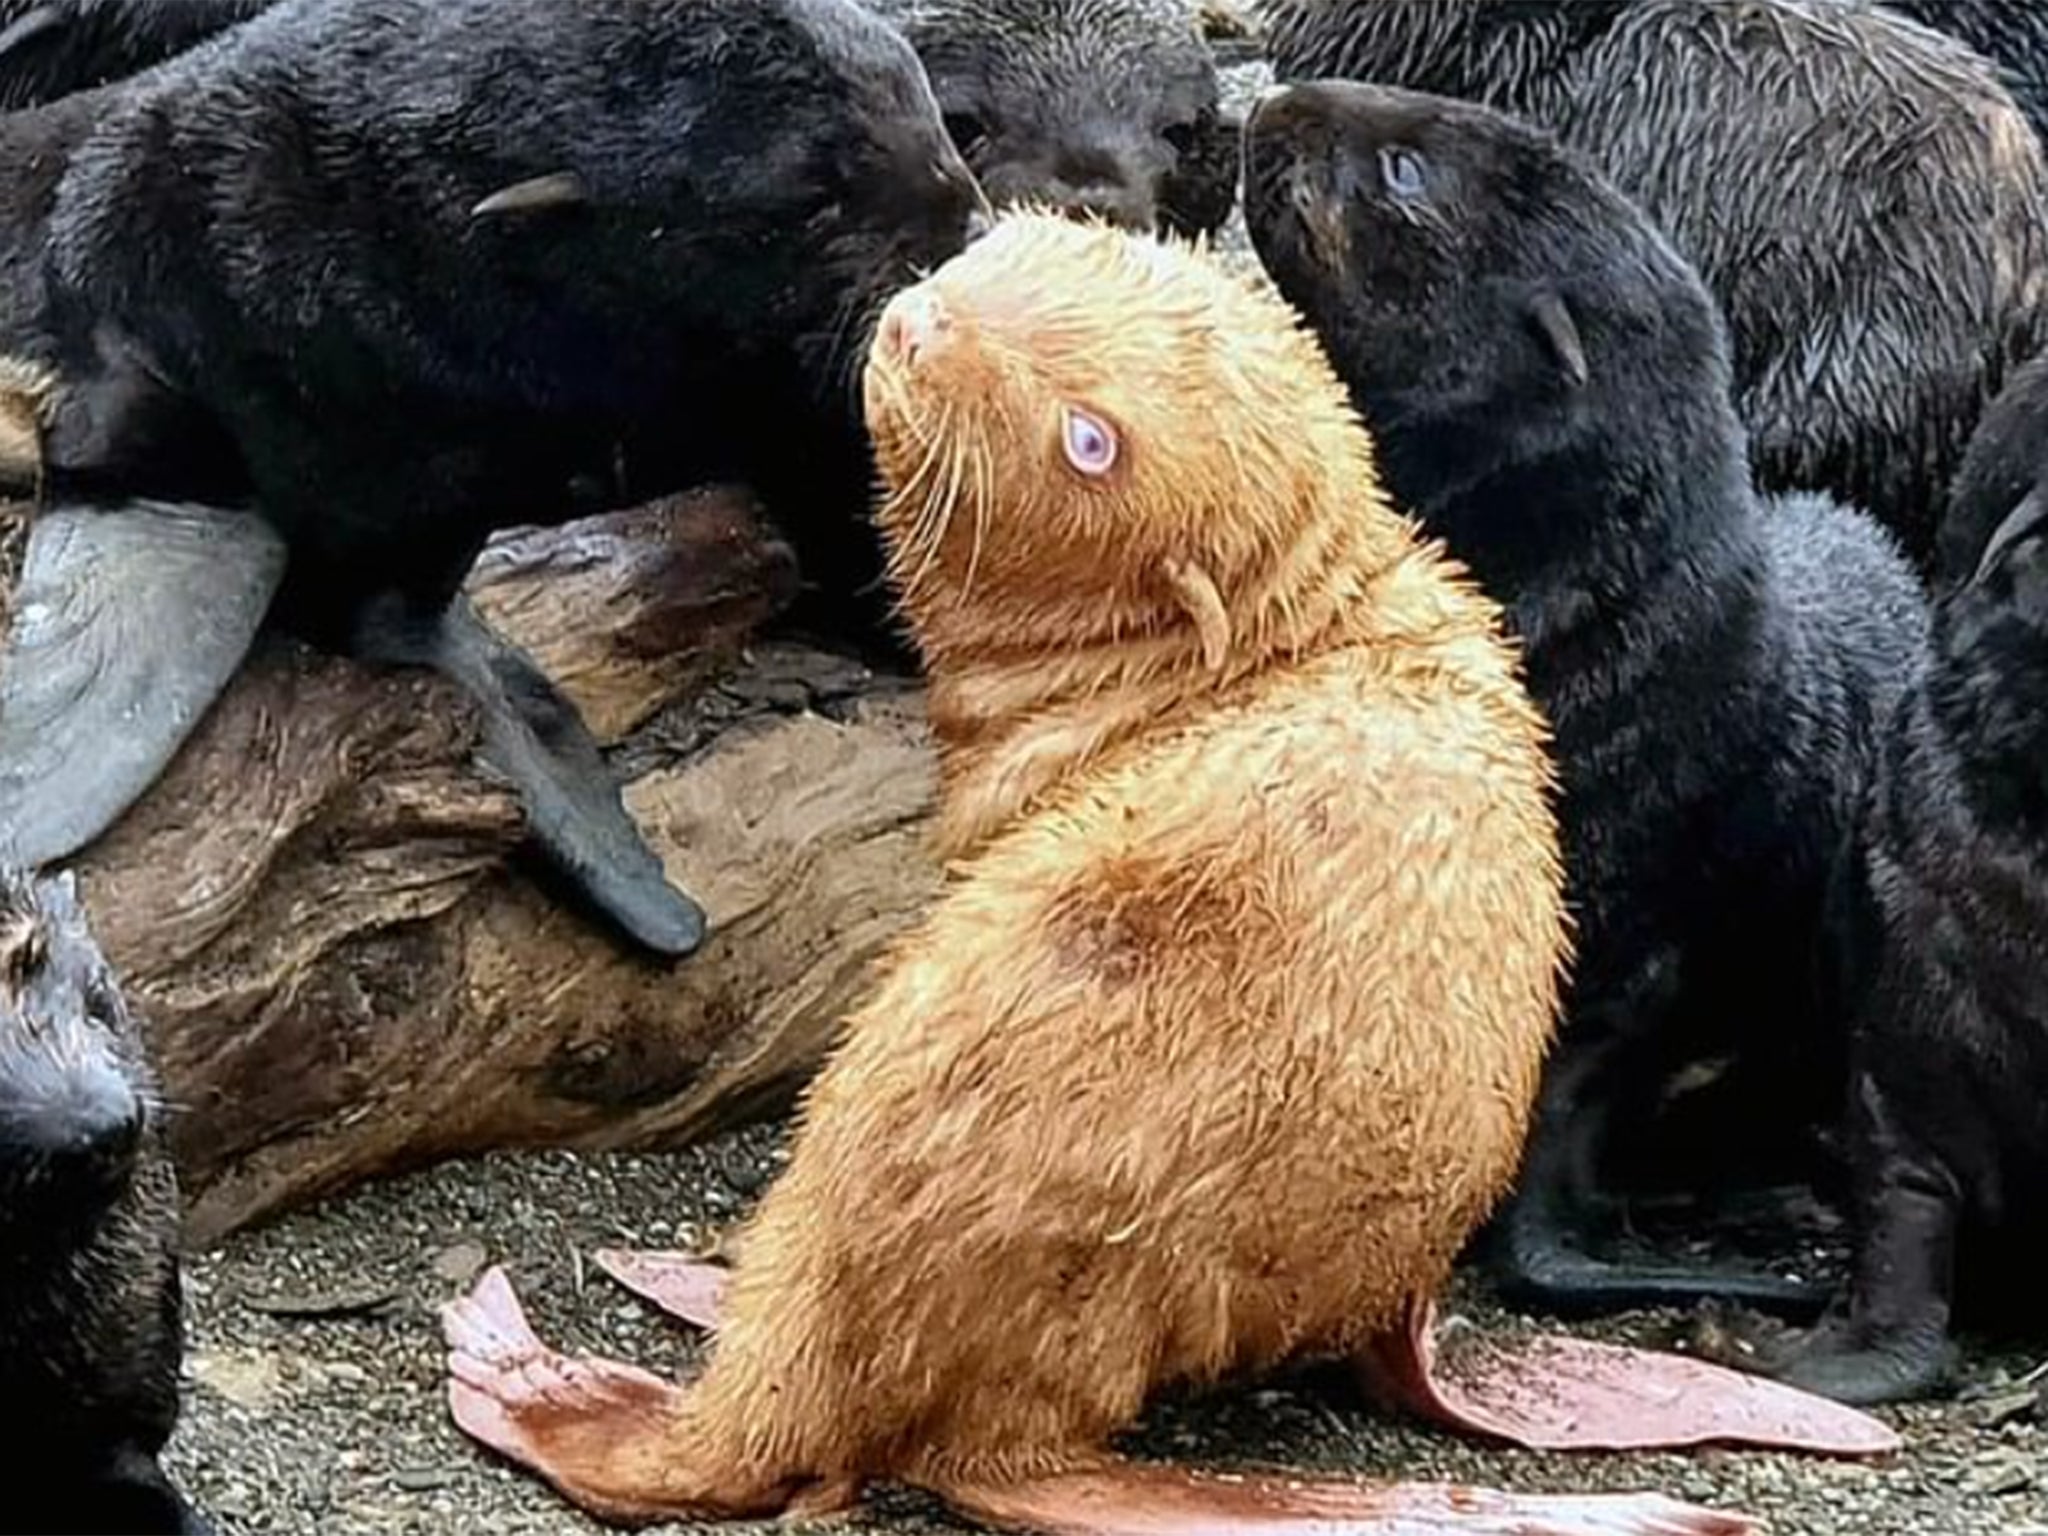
{"points": [[1293, 209]]}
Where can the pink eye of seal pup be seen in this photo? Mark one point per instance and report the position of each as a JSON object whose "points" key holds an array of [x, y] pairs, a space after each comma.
{"points": [[1226, 1032]]}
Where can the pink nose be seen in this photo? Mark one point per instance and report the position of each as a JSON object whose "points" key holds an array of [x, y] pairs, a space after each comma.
{"points": [[913, 323]]}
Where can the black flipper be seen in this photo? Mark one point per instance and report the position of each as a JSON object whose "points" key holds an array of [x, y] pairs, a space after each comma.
{"points": [[536, 739], [128, 622]]}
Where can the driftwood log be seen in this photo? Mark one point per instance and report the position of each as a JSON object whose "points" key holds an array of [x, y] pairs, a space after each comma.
{"points": [[349, 962]]}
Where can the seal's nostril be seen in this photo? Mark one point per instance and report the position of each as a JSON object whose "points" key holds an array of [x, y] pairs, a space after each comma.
{"points": [[910, 325]]}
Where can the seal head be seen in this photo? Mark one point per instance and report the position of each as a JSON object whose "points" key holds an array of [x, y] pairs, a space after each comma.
{"points": [[1448, 257], [74, 1094], [1011, 379], [1104, 107]]}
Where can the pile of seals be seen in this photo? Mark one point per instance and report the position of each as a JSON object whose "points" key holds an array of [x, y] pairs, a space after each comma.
{"points": [[1431, 738]]}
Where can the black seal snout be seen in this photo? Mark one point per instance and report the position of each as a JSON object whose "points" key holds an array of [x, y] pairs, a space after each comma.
{"points": [[68, 1142]]}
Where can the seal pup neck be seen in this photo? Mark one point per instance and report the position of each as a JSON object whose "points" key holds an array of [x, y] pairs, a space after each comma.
{"points": [[1117, 478]]}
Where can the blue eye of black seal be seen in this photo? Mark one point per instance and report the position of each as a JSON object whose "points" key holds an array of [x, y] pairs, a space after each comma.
{"points": [[1401, 170]]}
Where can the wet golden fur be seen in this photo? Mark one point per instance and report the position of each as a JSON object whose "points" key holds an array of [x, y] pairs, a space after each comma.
{"points": [[1225, 1033], [27, 393]]}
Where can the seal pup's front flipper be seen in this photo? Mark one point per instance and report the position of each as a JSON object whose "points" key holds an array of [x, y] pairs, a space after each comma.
{"points": [[1125, 1498], [592, 1428], [536, 738], [128, 622], [1553, 1392], [681, 1284]]}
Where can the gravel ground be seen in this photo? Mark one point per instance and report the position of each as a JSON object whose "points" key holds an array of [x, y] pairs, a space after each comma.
{"points": [[315, 1401]]}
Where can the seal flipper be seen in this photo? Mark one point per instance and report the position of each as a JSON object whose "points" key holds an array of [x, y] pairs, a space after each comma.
{"points": [[128, 622], [1533, 1268], [1531, 1247], [1125, 1498], [565, 1418], [536, 739], [582, 1423], [1888, 1339], [679, 1284], [1557, 1393]]}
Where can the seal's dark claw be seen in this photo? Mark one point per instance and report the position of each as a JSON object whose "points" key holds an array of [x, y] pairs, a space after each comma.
{"points": [[537, 740], [128, 622]]}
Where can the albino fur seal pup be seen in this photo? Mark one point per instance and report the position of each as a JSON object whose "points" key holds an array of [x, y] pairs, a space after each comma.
{"points": [[1861, 194], [91, 1330], [361, 280], [1225, 1033], [1105, 107], [1547, 381], [1943, 905]]}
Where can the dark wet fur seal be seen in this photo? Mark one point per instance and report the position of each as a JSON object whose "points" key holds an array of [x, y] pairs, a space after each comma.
{"points": [[90, 1309], [1941, 908], [1862, 195], [1104, 107], [50, 48], [397, 273], [2011, 33], [1547, 380]]}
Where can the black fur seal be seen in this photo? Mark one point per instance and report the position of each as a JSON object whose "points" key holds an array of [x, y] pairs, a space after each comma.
{"points": [[1941, 909], [1547, 380], [91, 1316], [1862, 195], [1103, 107], [360, 281]]}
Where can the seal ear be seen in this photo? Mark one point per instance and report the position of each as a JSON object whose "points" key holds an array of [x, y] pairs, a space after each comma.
{"points": [[557, 189], [2022, 520], [1551, 319], [1201, 601]]}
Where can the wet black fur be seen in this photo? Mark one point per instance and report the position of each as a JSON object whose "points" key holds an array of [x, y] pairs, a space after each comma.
{"points": [[50, 48], [1105, 106], [91, 1325], [267, 242], [1091, 106], [2013, 34], [1715, 669], [1862, 196], [1942, 908]]}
